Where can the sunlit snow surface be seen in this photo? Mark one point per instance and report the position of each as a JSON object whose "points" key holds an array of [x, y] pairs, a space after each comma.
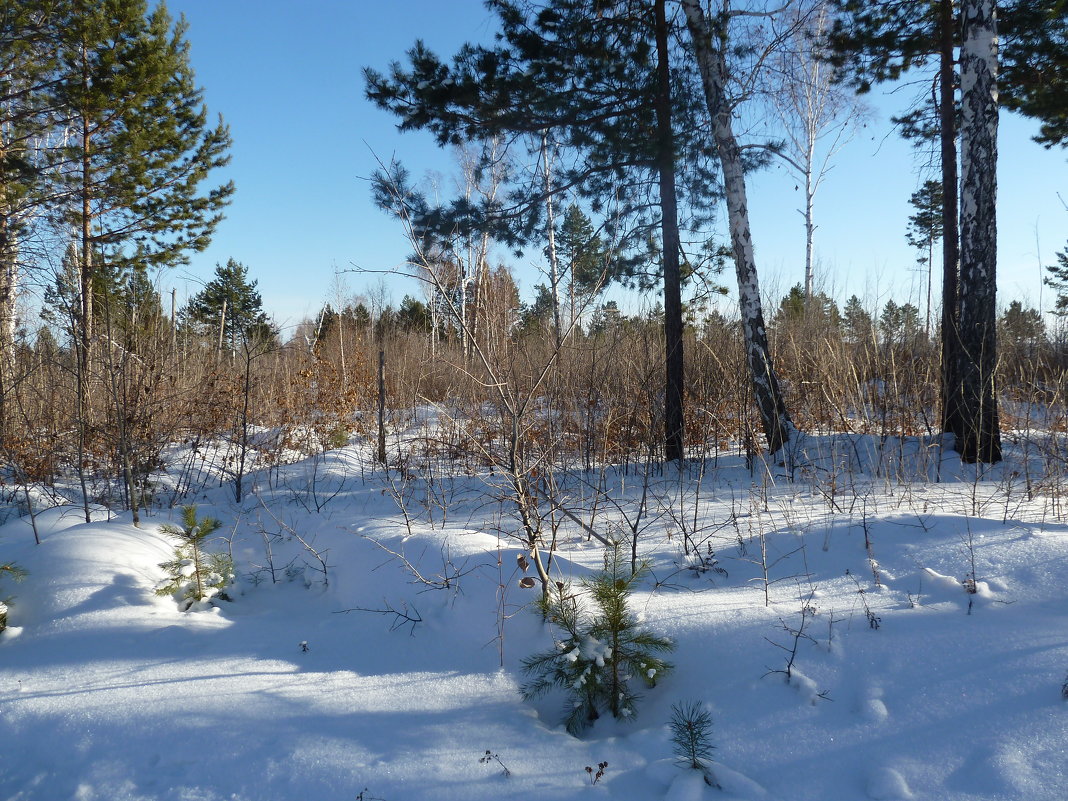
{"points": [[906, 686]]}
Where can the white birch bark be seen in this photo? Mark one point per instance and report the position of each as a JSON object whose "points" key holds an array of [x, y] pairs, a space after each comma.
{"points": [[708, 48], [9, 286], [550, 232], [818, 117], [980, 439]]}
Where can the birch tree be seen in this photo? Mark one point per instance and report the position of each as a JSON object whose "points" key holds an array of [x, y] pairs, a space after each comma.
{"points": [[711, 40], [27, 120], [817, 116], [980, 438]]}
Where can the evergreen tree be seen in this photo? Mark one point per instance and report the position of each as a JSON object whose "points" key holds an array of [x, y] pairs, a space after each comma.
{"points": [[195, 575], [413, 315], [925, 228], [1058, 279], [230, 301], [605, 317], [691, 736], [584, 256], [1034, 41], [874, 42], [539, 311], [818, 308], [899, 325], [601, 653], [856, 321], [1019, 326], [878, 42], [15, 573], [599, 79], [140, 145], [792, 306]]}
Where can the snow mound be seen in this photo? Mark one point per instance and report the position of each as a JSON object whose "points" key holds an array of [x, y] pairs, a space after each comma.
{"points": [[886, 784]]}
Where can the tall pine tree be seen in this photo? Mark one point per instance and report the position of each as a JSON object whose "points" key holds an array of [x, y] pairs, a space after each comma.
{"points": [[140, 146], [229, 307], [599, 78]]}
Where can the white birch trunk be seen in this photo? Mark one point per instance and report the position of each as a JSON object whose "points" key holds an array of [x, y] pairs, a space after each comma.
{"points": [[810, 229], [980, 439], [550, 224], [778, 428], [9, 285]]}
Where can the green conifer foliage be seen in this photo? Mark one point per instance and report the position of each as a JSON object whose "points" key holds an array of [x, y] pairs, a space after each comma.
{"points": [[691, 735], [856, 321], [230, 290], [1058, 279], [16, 573], [139, 144], [601, 653], [195, 575]]}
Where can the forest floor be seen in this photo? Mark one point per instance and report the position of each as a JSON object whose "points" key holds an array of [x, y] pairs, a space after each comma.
{"points": [[926, 618]]}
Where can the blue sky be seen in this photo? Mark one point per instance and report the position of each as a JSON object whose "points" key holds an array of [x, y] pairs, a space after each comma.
{"points": [[287, 78]]}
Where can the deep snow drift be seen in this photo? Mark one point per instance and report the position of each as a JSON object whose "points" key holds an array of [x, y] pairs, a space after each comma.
{"points": [[361, 682]]}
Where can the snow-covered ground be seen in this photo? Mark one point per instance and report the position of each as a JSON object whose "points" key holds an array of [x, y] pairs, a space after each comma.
{"points": [[364, 683]]}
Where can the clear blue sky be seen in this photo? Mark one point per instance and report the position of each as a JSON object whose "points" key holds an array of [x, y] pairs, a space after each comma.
{"points": [[287, 78]]}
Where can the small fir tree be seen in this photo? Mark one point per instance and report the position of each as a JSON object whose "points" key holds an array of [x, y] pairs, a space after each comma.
{"points": [[856, 321], [601, 653], [195, 575], [1021, 326]]}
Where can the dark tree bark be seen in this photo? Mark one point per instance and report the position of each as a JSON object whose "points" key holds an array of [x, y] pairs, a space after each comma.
{"points": [[980, 439], [952, 420], [669, 225]]}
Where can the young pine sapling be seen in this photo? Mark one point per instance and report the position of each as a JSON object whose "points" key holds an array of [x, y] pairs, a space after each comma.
{"points": [[601, 652], [195, 575], [691, 737], [18, 574]]}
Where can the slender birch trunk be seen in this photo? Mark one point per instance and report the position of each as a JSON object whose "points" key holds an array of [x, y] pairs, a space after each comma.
{"points": [[810, 229], [550, 230], [85, 336], [9, 284], [980, 439], [778, 428]]}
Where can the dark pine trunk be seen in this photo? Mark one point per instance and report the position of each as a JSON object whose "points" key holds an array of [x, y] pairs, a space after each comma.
{"points": [[674, 415]]}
